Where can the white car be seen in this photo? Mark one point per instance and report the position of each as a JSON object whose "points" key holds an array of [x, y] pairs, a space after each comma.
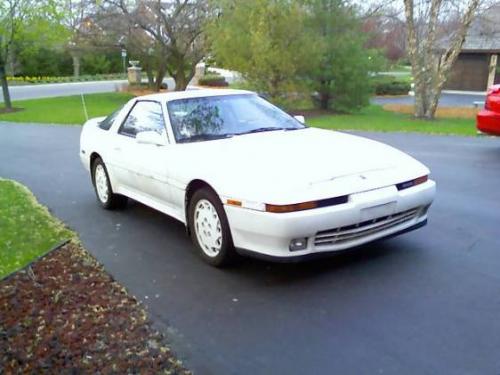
{"points": [[245, 177]]}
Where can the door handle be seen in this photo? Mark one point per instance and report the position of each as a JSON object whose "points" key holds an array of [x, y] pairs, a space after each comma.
{"points": [[117, 148]]}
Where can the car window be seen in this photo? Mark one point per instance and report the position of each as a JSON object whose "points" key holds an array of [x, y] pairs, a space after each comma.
{"points": [[144, 116], [108, 121]]}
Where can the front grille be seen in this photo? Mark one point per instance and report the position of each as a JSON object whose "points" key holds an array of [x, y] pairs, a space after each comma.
{"points": [[355, 231]]}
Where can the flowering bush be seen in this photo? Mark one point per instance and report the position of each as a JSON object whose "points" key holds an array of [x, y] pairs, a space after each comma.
{"points": [[47, 79]]}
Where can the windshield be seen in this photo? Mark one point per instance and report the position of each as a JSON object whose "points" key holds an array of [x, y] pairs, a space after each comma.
{"points": [[215, 117]]}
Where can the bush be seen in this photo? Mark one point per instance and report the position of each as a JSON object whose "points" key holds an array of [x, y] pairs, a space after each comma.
{"points": [[390, 86], [213, 80]]}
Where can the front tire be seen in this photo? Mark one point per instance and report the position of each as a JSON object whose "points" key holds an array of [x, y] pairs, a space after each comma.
{"points": [[102, 186], [209, 228]]}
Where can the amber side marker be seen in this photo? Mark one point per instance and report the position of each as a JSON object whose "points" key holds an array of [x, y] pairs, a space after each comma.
{"points": [[233, 202]]}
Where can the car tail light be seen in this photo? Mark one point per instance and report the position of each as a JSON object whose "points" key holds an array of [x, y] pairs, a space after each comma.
{"points": [[411, 183], [495, 89]]}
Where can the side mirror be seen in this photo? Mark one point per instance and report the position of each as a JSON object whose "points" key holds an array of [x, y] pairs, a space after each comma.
{"points": [[300, 119], [150, 138]]}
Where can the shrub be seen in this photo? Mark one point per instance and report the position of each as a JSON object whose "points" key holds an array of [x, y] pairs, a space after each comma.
{"points": [[390, 86], [213, 80]]}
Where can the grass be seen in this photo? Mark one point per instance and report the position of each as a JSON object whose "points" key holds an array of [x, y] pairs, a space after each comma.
{"points": [[68, 110], [27, 230], [65, 110], [375, 118]]}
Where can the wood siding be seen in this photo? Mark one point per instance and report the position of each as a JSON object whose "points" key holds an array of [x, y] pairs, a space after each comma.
{"points": [[469, 73]]}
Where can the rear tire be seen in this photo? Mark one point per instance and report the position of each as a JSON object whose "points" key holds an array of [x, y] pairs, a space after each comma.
{"points": [[209, 228], [102, 187]]}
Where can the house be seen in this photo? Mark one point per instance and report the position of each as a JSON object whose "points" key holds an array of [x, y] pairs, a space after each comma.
{"points": [[476, 67]]}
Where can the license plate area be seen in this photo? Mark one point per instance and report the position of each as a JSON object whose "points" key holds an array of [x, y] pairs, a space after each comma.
{"points": [[377, 211]]}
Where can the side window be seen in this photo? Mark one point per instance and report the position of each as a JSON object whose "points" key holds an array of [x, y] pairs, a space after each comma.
{"points": [[144, 116], [108, 121]]}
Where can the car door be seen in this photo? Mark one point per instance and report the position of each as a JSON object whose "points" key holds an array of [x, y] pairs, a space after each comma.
{"points": [[145, 165]]}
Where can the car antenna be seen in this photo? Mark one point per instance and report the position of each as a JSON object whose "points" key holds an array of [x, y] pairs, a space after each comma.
{"points": [[84, 108]]}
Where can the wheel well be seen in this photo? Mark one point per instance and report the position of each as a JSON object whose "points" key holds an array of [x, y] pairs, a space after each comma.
{"points": [[93, 156], [191, 188]]}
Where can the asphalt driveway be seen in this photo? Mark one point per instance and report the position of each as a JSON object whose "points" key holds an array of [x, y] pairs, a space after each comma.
{"points": [[427, 302]]}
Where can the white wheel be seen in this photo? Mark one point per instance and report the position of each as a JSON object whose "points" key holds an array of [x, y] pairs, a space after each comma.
{"points": [[103, 189], [208, 228], [101, 183]]}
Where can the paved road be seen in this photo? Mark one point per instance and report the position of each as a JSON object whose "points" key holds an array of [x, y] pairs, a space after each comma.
{"points": [[446, 100], [67, 89], [427, 302]]}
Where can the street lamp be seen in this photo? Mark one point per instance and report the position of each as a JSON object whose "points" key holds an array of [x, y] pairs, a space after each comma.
{"points": [[124, 58]]}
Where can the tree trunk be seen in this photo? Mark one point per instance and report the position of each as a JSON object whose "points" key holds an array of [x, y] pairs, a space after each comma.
{"points": [[180, 81], [160, 74], [430, 71], [5, 88], [324, 95], [150, 75]]}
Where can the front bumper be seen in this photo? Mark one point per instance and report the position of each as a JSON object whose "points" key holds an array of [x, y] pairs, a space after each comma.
{"points": [[269, 234]]}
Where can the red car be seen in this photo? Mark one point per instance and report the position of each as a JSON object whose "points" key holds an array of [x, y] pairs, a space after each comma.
{"points": [[488, 119]]}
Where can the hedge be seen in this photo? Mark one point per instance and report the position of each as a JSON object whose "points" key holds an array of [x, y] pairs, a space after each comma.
{"points": [[389, 85], [213, 80]]}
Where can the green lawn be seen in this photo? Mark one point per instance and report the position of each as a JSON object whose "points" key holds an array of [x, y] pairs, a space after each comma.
{"points": [[65, 110], [27, 230], [374, 118], [68, 110]]}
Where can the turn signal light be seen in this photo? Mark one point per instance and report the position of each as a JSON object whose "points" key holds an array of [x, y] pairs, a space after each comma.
{"points": [[411, 183], [421, 180], [290, 207]]}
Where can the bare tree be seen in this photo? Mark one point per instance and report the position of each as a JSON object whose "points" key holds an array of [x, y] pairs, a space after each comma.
{"points": [[176, 32], [431, 61], [78, 18]]}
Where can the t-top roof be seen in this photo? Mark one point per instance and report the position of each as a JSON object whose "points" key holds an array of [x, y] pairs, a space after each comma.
{"points": [[195, 93]]}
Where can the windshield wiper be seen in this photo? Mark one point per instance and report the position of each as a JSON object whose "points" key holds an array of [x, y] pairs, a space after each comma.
{"points": [[259, 130], [204, 137]]}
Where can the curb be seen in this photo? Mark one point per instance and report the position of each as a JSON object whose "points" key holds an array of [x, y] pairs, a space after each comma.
{"points": [[56, 247]]}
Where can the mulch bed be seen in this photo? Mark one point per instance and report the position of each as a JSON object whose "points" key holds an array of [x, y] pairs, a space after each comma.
{"points": [[65, 314]]}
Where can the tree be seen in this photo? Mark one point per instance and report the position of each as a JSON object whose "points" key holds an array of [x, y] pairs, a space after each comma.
{"points": [[430, 68], [386, 32], [265, 41], [283, 47], [25, 24], [83, 31], [10, 14], [175, 29], [340, 74]]}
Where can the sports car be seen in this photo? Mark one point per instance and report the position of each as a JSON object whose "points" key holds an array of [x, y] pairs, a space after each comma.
{"points": [[247, 178]]}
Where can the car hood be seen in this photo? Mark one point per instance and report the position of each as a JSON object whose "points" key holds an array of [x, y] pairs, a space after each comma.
{"points": [[292, 166]]}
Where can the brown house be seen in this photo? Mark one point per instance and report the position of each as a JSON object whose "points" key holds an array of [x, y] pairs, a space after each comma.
{"points": [[476, 66]]}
